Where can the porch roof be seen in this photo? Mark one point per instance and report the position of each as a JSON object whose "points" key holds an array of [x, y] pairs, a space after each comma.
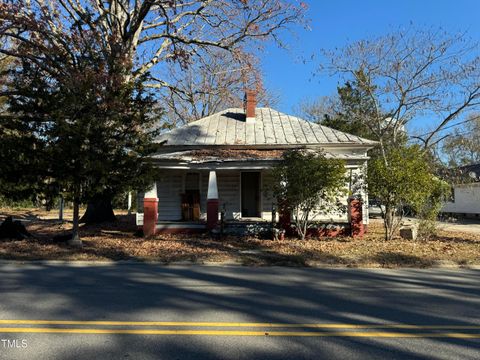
{"points": [[248, 155]]}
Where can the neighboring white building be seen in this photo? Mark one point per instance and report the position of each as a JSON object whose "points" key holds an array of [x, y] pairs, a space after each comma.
{"points": [[466, 197]]}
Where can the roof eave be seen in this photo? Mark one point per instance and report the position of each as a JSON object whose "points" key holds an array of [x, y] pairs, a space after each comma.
{"points": [[268, 146]]}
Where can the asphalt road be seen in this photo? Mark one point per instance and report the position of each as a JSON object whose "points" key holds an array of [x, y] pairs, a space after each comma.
{"points": [[146, 311]]}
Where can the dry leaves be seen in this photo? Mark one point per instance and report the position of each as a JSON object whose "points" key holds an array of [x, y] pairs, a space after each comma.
{"points": [[117, 241]]}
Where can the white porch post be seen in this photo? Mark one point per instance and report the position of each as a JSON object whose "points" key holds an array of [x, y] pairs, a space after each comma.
{"points": [[150, 211], [212, 201]]}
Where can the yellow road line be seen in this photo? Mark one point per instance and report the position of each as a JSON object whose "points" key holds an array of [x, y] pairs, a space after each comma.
{"points": [[234, 324], [382, 334]]}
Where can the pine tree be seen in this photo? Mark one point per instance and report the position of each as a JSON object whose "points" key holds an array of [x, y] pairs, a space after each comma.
{"points": [[89, 127]]}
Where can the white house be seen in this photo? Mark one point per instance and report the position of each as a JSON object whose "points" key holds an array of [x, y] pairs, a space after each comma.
{"points": [[222, 164]]}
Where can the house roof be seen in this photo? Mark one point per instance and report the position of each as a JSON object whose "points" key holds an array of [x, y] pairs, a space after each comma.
{"points": [[271, 127], [472, 170], [472, 167]]}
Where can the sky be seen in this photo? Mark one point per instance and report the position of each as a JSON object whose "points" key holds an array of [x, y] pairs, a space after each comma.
{"points": [[335, 23]]}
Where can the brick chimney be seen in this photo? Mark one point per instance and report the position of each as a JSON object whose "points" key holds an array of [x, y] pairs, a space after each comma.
{"points": [[250, 105]]}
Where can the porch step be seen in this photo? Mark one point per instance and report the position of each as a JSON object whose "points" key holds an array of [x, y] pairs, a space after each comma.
{"points": [[180, 225], [248, 228]]}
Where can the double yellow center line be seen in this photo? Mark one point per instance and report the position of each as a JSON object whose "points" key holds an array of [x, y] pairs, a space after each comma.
{"points": [[239, 329]]}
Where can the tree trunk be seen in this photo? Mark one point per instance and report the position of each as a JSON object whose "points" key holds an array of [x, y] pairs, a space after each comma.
{"points": [[301, 230], [75, 240], [98, 210], [61, 208], [388, 222]]}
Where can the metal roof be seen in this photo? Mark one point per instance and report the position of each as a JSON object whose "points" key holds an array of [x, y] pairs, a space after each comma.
{"points": [[271, 127]]}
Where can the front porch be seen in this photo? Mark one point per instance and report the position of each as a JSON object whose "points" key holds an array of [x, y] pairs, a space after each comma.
{"points": [[197, 191], [239, 197], [198, 200]]}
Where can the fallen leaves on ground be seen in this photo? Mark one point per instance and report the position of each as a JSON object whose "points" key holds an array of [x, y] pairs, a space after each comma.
{"points": [[117, 241]]}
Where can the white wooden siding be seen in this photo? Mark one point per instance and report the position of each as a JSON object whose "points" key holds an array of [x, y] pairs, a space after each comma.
{"points": [[169, 190], [268, 196], [358, 174], [466, 200], [170, 186], [228, 183]]}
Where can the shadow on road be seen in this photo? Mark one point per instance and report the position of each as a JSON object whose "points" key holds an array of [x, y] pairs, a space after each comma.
{"points": [[145, 292]]}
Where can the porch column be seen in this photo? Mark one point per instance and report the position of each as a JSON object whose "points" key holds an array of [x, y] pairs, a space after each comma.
{"points": [[150, 211], [212, 201], [355, 214]]}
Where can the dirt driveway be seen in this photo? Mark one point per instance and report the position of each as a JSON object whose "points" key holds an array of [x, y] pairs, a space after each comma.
{"points": [[470, 226]]}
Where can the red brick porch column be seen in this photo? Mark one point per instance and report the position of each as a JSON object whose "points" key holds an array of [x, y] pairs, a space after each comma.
{"points": [[355, 214], [212, 201], [150, 212]]}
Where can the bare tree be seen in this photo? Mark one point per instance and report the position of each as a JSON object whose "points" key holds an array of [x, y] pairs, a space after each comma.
{"points": [[216, 81], [407, 75], [153, 32], [316, 110], [412, 74], [141, 37], [462, 147]]}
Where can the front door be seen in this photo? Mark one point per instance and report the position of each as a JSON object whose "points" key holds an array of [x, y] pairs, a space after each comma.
{"points": [[250, 194], [191, 198]]}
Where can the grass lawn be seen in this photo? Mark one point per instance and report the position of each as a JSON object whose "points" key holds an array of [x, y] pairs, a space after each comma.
{"points": [[117, 241]]}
